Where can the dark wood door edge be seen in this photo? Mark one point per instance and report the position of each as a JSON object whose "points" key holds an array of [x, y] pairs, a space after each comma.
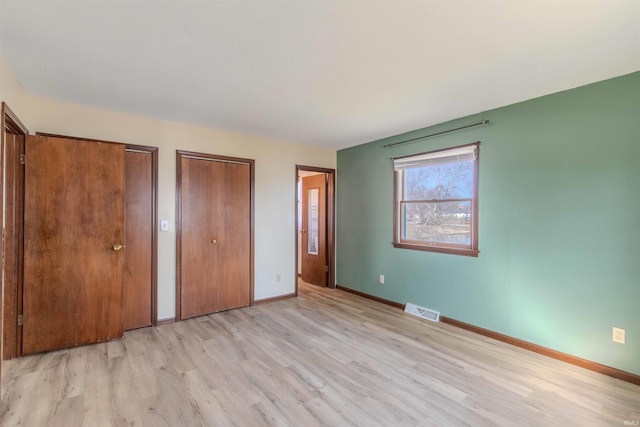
{"points": [[554, 354]]}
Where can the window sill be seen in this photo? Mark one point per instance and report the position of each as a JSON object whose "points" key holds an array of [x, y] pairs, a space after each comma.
{"points": [[439, 249]]}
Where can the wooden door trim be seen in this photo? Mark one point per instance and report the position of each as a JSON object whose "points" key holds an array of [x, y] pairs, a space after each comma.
{"points": [[10, 123], [154, 209], [182, 154], [330, 206], [14, 173]]}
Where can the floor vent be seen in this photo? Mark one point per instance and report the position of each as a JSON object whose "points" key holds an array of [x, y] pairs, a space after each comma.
{"points": [[425, 313]]}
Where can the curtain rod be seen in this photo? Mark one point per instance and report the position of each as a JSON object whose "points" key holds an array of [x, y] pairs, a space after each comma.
{"points": [[482, 123]]}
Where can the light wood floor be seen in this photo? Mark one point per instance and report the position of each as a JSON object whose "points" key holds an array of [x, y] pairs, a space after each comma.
{"points": [[324, 358]]}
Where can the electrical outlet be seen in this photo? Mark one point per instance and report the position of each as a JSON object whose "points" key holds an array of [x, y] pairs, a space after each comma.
{"points": [[278, 278], [382, 279], [618, 335]]}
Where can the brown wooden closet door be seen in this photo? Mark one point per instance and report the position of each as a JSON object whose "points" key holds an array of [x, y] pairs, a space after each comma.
{"points": [[198, 290], [74, 215], [136, 310], [232, 226], [215, 236]]}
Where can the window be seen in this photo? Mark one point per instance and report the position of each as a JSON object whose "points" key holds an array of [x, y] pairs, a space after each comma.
{"points": [[436, 201]]}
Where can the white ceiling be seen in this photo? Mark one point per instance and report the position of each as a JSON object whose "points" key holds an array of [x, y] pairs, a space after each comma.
{"points": [[328, 73]]}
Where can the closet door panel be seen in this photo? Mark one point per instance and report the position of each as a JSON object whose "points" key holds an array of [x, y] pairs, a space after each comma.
{"points": [[198, 290], [234, 249]]}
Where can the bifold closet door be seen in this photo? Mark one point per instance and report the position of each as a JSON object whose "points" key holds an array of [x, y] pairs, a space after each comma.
{"points": [[215, 235], [73, 243]]}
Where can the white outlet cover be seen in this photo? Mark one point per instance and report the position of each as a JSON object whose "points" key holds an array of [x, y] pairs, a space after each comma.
{"points": [[164, 225], [618, 335]]}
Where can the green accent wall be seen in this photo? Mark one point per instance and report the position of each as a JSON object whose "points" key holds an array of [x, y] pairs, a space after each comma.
{"points": [[559, 223]]}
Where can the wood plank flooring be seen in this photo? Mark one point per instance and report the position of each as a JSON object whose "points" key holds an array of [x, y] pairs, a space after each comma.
{"points": [[325, 358]]}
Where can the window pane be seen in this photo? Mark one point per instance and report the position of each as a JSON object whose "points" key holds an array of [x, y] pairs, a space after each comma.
{"points": [[312, 238], [447, 181], [445, 222]]}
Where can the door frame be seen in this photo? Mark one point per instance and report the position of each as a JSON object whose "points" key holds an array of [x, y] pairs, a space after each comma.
{"points": [[154, 236], [330, 207], [11, 124], [181, 154]]}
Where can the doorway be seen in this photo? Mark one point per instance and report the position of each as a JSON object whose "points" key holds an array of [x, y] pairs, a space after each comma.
{"points": [[140, 209], [315, 226]]}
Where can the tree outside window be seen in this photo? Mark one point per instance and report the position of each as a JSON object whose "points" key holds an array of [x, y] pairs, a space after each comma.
{"points": [[436, 201]]}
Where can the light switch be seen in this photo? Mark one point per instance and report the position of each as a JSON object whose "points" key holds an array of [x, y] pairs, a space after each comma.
{"points": [[164, 225]]}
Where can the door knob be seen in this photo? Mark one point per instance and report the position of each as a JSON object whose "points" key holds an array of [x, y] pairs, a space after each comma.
{"points": [[117, 247], [214, 241]]}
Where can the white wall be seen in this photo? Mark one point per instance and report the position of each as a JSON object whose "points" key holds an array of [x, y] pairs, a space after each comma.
{"points": [[274, 181], [11, 91]]}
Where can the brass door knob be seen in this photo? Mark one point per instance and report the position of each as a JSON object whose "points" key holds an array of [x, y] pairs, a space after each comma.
{"points": [[118, 247], [214, 241]]}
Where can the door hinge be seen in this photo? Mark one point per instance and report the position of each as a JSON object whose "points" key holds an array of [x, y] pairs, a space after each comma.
{"points": [[326, 268], [22, 159], [20, 320]]}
